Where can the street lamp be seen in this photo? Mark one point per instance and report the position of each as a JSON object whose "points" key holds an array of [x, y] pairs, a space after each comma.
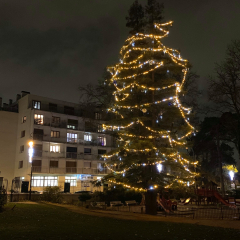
{"points": [[231, 174], [30, 155]]}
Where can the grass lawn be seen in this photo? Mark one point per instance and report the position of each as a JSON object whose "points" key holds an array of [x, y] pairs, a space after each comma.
{"points": [[43, 221]]}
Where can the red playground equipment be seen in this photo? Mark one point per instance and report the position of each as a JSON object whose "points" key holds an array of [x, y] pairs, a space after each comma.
{"points": [[212, 196]]}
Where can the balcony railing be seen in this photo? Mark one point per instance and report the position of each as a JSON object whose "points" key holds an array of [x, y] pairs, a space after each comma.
{"points": [[73, 155], [47, 138], [70, 170], [69, 155]]}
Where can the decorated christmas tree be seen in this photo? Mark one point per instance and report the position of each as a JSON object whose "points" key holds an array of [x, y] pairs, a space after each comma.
{"points": [[150, 126]]}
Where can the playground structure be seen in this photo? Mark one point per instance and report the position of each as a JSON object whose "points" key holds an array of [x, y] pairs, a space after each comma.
{"points": [[213, 197]]}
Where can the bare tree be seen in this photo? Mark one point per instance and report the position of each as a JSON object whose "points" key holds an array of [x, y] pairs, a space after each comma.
{"points": [[224, 90]]}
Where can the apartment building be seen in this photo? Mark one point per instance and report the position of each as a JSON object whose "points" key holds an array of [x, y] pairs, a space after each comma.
{"points": [[57, 144]]}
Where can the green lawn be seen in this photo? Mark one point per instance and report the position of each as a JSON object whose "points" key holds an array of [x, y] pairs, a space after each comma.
{"points": [[50, 222]]}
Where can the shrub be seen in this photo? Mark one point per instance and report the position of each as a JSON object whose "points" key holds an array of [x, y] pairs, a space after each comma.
{"points": [[3, 198], [84, 197], [52, 194], [117, 194]]}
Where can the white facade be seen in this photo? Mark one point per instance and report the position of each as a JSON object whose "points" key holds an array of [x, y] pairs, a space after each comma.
{"points": [[66, 146], [8, 141]]}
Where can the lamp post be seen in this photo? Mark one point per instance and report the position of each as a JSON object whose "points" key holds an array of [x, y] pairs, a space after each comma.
{"points": [[30, 155]]}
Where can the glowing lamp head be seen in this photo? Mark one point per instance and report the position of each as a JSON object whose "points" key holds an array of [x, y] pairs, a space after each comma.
{"points": [[159, 167], [231, 174], [30, 144]]}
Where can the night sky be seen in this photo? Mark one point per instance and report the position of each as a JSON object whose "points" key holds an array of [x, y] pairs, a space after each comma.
{"points": [[49, 48]]}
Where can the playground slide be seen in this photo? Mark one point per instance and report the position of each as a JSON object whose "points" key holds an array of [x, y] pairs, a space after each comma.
{"points": [[163, 206], [219, 197]]}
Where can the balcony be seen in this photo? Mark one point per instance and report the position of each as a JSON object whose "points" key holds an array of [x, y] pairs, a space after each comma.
{"points": [[61, 124], [48, 138], [69, 170], [72, 155], [37, 153]]}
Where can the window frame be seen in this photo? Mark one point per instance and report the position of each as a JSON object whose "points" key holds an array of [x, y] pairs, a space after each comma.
{"points": [[38, 119], [20, 164], [102, 140], [55, 148], [24, 119], [23, 133], [53, 134], [38, 103]]}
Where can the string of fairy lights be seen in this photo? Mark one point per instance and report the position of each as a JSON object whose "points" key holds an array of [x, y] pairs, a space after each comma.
{"points": [[132, 70]]}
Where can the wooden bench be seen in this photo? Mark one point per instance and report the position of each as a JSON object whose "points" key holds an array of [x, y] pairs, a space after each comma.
{"points": [[131, 202], [116, 203]]}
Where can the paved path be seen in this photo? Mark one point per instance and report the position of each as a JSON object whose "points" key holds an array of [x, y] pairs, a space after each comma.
{"points": [[144, 217]]}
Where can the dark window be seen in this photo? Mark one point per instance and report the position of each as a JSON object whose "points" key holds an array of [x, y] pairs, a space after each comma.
{"points": [[71, 152], [90, 127], [98, 116], [71, 167], [73, 124], [22, 134], [21, 148], [24, 119], [55, 134], [38, 134], [100, 128], [20, 164], [37, 150], [87, 150], [68, 110], [55, 119], [52, 107], [53, 164], [87, 165], [71, 149], [36, 165], [101, 151], [36, 104]]}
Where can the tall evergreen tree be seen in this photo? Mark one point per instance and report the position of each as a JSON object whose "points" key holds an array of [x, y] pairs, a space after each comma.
{"points": [[135, 18], [153, 13], [151, 125]]}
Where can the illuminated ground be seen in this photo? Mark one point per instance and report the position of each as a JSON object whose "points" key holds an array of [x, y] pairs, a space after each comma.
{"points": [[41, 221]]}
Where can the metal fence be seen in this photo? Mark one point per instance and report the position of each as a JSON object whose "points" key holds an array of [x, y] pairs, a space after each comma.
{"points": [[222, 212]]}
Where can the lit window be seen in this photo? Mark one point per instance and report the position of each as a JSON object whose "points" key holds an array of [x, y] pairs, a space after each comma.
{"points": [[40, 181], [102, 141], [55, 134], [88, 137], [98, 115], [24, 119], [36, 104], [55, 148], [72, 137], [71, 180], [55, 119], [38, 119]]}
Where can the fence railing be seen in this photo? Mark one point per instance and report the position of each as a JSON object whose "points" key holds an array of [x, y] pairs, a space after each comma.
{"points": [[48, 138], [71, 170], [69, 155]]}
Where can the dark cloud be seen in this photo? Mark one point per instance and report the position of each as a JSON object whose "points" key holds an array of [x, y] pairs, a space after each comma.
{"points": [[50, 47]]}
